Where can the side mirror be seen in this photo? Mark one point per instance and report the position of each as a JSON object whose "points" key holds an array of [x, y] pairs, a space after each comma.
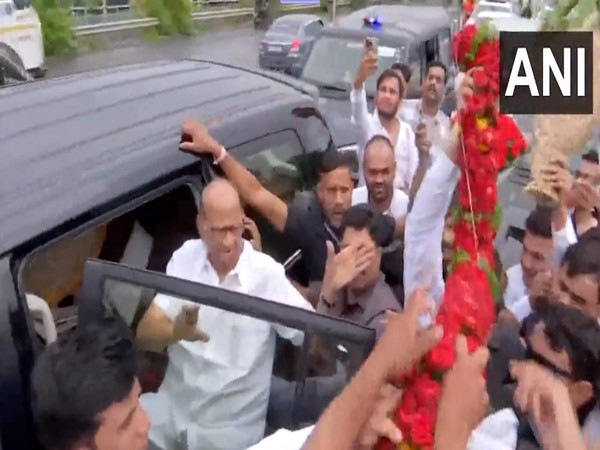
{"points": [[296, 71]]}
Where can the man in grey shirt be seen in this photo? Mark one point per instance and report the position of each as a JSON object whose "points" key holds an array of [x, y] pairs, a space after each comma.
{"points": [[353, 286]]}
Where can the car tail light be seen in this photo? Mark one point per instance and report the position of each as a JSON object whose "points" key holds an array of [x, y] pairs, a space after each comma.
{"points": [[295, 46]]}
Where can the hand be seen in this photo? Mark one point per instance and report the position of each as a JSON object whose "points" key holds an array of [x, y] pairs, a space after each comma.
{"points": [[467, 86], [202, 142], [381, 423], [540, 395], [344, 267], [585, 195], [464, 401], [423, 145], [186, 328], [368, 66], [557, 175], [250, 225], [405, 328], [544, 285]]}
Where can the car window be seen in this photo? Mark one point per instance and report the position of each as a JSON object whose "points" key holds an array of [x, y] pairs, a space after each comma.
{"points": [[299, 372], [312, 28], [334, 61], [415, 62], [145, 237], [283, 30], [276, 161], [445, 47]]}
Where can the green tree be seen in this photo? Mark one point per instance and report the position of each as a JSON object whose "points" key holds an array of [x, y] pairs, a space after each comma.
{"points": [[57, 26]]}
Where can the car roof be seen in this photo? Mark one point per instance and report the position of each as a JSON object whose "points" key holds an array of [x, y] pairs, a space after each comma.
{"points": [[296, 18], [515, 23], [73, 144], [406, 22]]}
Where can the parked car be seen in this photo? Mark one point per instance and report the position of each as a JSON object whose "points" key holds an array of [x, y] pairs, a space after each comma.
{"points": [[91, 169], [288, 41], [412, 34], [492, 9]]}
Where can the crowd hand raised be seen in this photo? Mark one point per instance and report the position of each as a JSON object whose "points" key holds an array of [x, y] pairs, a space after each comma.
{"points": [[381, 423], [557, 175], [586, 195], [461, 410], [186, 328], [404, 341], [251, 227], [202, 143], [544, 285], [467, 86], [368, 66], [423, 145], [342, 268], [540, 395]]}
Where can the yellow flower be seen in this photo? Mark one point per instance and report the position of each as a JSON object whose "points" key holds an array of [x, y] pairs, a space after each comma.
{"points": [[405, 445], [483, 148], [482, 123]]}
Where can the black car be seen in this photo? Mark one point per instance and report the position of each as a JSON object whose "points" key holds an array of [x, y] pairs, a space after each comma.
{"points": [[410, 34], [288, 41], [90, 160]]}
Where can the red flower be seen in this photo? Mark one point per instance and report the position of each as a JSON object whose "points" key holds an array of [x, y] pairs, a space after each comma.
{"points": [[441, 358], [421, 432]]}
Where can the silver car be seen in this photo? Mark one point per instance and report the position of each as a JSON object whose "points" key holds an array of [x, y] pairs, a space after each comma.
{"points": [[288, 41]]}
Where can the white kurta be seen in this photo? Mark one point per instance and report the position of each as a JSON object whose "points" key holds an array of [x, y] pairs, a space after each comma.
{"points": [[406, 153], [215, 395]]}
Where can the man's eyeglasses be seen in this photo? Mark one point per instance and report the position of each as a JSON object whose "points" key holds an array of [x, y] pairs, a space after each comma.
{"points": [[532, 355]]}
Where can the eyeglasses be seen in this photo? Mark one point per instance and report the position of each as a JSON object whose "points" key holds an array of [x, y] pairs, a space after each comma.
{"points": [[534, 356]]}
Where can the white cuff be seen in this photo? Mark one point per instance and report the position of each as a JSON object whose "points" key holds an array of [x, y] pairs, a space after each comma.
{"points": [[567, 234], [444, 170], [521, 309], [357, 95]]}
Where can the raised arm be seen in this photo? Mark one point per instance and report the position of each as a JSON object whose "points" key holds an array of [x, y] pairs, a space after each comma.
{"points": [[425, 227], [358, 96], [252, 192]]}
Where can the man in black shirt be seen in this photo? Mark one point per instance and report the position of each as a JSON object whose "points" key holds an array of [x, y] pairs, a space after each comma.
{"points": [[311, 220]]}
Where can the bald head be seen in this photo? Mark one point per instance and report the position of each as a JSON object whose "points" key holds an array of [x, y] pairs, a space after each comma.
{"points": [[379, 148], [219, 196]]}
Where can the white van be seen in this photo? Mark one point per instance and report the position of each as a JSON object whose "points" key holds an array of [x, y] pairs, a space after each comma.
{"points": [[21, 36]]}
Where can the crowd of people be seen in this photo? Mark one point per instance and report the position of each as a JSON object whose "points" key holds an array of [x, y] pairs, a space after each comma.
{"points": [[377, 255]]}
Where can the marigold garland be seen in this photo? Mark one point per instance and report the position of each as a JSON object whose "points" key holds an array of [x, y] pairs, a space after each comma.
{"points": [[489, 141]]}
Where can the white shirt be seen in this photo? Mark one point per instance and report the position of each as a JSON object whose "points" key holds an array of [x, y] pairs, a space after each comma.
{"points": [[562, 239], [515, 287], [496, 432], [215, 394], [398, 207], [439, 127], [407, 156], [425, 227]]}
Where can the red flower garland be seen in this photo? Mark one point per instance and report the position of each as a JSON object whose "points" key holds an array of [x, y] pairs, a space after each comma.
{"points": [[490, 141]]}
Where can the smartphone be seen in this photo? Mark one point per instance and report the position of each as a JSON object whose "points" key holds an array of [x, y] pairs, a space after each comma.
{"points": [[372, 43]]}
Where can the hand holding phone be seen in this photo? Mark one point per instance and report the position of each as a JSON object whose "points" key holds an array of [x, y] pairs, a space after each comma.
{"points": [[372, 44]]}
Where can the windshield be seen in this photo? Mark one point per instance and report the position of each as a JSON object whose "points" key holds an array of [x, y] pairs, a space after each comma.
{"points": [[492, 9], [334, 62], [283, 30]]}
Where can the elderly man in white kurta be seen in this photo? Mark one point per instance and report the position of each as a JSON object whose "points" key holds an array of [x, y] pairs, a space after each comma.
{"points": [[215, 394]]}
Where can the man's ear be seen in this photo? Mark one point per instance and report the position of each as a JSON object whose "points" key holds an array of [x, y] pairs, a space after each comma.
{"points": [[200, 223], [581, 393]]}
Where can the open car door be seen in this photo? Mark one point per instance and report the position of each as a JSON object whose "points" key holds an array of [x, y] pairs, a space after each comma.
{"points": [[304, 378]]}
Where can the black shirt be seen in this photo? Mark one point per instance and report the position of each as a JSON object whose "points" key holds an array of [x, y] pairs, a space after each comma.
{"points": [[307, 227]]}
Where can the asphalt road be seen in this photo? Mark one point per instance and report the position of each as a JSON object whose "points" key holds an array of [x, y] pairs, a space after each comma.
{"points": [[238, 46]]}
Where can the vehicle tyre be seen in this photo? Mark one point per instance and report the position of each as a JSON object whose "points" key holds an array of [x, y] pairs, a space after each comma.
{"points": [[12, 65], [40, 72]]}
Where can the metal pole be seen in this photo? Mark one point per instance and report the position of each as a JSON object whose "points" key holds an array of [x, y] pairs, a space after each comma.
{"points": [[334, 10]]}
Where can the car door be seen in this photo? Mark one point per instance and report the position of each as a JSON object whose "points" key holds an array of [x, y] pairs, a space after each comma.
{"points": [[297, 396]]}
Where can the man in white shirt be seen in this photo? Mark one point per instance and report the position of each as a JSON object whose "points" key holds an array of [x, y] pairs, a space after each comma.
{"points": [[425, 113], [215, 395], [384, 121], [379, 170]]}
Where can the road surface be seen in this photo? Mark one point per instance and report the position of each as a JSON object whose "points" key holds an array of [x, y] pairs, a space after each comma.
{"points": [[239, 46]]}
